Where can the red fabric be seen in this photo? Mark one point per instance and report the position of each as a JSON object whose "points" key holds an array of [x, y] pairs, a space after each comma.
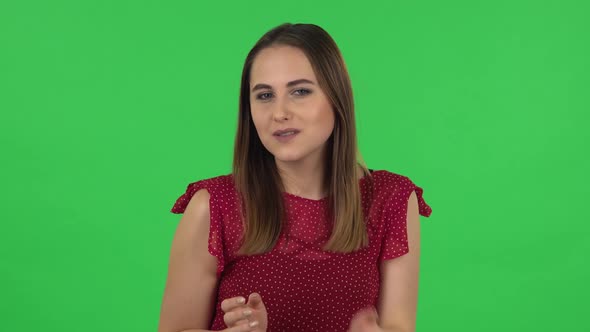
{"points": [[303, 287]]}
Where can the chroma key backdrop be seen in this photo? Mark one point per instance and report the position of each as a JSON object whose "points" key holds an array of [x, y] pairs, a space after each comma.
{"points": [[108, 109]]}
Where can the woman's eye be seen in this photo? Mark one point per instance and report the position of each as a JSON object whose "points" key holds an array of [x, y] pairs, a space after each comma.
{"points": [[299, 92], [305, 91], [262, 94]]}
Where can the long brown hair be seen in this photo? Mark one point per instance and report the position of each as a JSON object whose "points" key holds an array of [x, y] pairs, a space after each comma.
{"points": [[254, 170]]}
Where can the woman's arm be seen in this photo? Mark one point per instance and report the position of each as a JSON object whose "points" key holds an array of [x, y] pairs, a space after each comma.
{"points": [[399, 279], [189, 295]]}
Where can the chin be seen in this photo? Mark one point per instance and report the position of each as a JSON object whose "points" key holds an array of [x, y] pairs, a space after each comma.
{"points": [[290, 154], [287, 157]]}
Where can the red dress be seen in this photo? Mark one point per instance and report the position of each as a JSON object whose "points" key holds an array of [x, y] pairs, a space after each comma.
{"points": [[303, 287]]}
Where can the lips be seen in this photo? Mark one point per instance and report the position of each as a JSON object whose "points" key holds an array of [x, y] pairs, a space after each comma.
{"points": [[287, 130]]}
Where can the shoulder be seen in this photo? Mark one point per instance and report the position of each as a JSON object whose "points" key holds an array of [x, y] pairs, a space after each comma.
{"points": [[391, 182], [396, 190], [215, 187], [197, 205]]}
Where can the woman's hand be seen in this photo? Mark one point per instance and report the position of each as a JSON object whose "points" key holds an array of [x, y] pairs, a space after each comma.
{"points": [[365, 320], [241, 315]]}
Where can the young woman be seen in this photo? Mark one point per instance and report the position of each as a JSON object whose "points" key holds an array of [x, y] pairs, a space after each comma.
{"points": [[301, 231]]}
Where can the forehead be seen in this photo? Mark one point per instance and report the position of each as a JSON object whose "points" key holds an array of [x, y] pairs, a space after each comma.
{"points": [[280, 64]]}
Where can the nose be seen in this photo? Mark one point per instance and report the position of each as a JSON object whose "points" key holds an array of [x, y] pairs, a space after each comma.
{"points": [[281, 111]]}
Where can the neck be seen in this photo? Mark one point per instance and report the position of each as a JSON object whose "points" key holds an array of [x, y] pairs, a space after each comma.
{"points": [[303, 178]]}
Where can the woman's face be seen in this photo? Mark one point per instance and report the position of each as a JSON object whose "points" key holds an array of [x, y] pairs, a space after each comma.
{"points": [[280, 99]]}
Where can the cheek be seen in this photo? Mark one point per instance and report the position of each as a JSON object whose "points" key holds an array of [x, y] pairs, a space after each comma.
{"points": [[257, 119], [332, 119], [326, 121], [261, 124]]}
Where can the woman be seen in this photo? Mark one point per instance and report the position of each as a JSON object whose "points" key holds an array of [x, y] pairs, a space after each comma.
{"points": [[301, 231]]}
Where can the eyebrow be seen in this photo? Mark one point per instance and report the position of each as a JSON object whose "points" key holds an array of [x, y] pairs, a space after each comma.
{"points": [[295, 82]]}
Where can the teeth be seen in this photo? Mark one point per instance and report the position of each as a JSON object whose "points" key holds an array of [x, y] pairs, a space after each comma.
{"points": [[287, 133]]}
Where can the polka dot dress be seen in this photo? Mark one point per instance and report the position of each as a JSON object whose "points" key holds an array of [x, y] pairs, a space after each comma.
{"points": [[303, 287]]}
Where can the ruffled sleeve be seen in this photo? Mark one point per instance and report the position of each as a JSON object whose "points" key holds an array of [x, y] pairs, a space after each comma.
{"points": [[395, 237], [216, 231]]}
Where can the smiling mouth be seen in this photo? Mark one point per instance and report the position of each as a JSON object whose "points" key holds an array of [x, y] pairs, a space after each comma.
{"points": [[286, 136], [287, 133]]}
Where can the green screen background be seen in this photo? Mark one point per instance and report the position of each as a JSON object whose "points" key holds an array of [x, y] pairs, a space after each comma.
{"points": [[110, 108]]}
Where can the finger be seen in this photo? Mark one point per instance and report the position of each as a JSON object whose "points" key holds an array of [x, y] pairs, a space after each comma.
{"points": [[370, 314], [355, 325], [356, 322], [255, 301], [233, 317], [363, 319], [374, 314], [242, 322], [232, 303], [241, 328]]}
